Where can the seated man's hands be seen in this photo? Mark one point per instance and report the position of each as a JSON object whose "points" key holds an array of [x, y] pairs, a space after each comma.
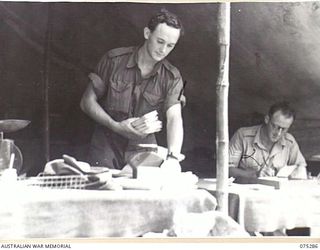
{"points": [[293, 172], [267, 171], [300, 172]]}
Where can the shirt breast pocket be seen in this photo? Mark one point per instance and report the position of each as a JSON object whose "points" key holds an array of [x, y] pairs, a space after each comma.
{"points": [[119, 95]]}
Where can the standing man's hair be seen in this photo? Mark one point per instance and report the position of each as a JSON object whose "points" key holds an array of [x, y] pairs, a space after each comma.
{"points": [[164, 16], [285, 109]]}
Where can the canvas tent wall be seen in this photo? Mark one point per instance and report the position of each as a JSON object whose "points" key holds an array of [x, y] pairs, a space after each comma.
{"points": [[274, 55]]}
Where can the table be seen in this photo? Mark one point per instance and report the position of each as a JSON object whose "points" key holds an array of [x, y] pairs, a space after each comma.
{"points": [[261, 208], [36, 212]]}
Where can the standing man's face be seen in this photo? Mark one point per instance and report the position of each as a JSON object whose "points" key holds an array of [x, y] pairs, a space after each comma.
{"points": [[277, 125], [161, 41]]}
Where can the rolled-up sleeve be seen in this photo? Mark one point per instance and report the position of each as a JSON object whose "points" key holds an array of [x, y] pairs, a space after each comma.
{"points": [[175, 94], [295, 156], [99, 77], [235, 149], [97, 84]]}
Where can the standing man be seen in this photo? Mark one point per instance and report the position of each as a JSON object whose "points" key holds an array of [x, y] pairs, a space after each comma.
{"points": [[264, 149], [129, 83]]}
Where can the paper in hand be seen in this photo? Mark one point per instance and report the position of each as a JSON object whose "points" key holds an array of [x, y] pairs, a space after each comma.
{"points": [[148, 123], [286, 171], [149, 117]]}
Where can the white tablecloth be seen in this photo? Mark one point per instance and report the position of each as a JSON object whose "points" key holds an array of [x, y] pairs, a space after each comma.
{"points": [[261, 208], [47, 213], [267, 210]]}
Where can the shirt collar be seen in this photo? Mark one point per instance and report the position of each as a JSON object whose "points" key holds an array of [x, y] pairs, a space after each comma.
{"points": [[133, 61], [283, 141], [257, 139]]}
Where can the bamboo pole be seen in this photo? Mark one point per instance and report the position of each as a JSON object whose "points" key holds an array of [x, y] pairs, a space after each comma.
{"points": [[222, 89]]}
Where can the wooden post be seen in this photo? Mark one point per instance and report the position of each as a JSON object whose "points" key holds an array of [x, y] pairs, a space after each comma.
{"points": [[222, 89]]}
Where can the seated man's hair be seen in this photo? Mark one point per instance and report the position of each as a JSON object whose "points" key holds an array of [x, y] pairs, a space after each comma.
{"points": [[164, 16], [285, 109]]}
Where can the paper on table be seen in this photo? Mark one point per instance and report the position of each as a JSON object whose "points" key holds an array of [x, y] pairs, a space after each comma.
{"points": [[286, 171], [211, 183]]}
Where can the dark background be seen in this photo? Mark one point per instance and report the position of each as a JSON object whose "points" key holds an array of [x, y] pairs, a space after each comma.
{"points": [[274, 55]]}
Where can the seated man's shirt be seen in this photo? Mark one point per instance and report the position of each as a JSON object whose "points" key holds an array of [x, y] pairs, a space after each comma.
{"points": [[247, 151]]}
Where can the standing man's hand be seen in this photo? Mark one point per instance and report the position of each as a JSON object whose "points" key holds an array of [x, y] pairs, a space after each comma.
{"points": [[126, 129], [172, 163], [148, 123], [171, 166]]}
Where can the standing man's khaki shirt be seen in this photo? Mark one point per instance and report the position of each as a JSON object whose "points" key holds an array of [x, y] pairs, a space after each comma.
{"points": [[124, 93]]}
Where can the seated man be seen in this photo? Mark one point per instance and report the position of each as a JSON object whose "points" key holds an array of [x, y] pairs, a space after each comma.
{"points": [[264, 149]]}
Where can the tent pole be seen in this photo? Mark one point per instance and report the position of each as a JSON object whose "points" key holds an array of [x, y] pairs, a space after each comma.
{"points": [[222, 89]]}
